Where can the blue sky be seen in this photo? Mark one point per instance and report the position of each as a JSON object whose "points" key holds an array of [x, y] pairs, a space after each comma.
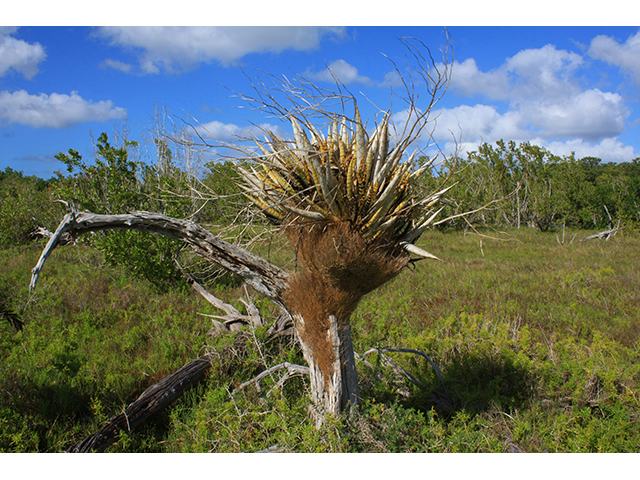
{"points": [[565, 88]]}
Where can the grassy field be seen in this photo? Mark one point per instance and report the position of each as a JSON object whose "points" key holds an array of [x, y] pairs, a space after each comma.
{"points": [[537, 341]]}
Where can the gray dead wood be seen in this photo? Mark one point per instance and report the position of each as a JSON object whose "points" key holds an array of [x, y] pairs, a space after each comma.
{"points": [[291, 370], [332, 391], [339, 392], [233, 320], [607, 234], [264, 277], [283, 326], [44, 232], [153, 399]]}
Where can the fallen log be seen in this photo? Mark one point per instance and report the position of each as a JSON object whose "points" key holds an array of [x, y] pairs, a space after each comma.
{"points": [[607, 234], [153, 399]]}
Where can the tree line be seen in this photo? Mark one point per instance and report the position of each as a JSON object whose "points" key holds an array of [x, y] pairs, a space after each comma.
{"points": [[527, 185], [521, 185]]}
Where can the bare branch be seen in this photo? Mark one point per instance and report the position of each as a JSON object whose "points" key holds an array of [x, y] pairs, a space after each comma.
{"points": [[263, 276], [607, 234], [291, 368]]}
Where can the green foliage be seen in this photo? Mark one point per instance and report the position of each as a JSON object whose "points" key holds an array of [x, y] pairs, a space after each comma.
{"points": [[537, 188], [537, 340], [222, 179], [25, 204], [537, 343], [115, 184], [93, 339]]}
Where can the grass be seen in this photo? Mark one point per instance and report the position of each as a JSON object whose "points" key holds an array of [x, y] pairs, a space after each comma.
{"points": [[538, 344]]}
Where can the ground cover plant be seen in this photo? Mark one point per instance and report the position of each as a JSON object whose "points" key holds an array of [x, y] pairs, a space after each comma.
{"points": [[537, 342]]}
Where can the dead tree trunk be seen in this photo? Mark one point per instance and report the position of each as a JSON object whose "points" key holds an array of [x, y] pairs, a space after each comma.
{"points": [[332, 368], [153, 399]]}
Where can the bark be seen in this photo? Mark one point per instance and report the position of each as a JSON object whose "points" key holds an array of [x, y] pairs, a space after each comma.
{"points": [[334, 383], [152, 400]]}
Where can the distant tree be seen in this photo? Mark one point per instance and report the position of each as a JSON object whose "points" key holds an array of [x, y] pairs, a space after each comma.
{"points": [[537, 188], [114, 183], [26, 203]]}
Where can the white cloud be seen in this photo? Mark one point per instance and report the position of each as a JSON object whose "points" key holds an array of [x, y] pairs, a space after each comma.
{"points": [[340, 69], [544, 72], [544, 104], [55, 110], [392, 79], [479, 123], [232, 133], [609, 149], [180, 48], [624, 55], [19, 55], [591, 115], [116, 64], [467, 79]]}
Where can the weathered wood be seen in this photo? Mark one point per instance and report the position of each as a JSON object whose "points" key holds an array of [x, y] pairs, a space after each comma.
{"points": [[153, 399], [283, 325], [291, 368], [607, 234], [263, 276], [233, 320], [334, 389]]}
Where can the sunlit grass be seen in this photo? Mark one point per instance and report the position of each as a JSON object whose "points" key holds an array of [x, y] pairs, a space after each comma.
{"points": [[537, 342]]}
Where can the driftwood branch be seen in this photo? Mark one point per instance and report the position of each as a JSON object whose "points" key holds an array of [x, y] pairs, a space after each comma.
{"points": [[291, 368], [256, 272], [233, 320], [607, 234], [152, 400], [44, 232]]}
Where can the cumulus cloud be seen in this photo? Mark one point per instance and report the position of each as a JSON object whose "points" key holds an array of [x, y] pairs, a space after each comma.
{"points": [[180, 48], [478, 123], [341, 70], [55, 110], [18, 55], [624, 55], [591, 115], [469, 80], [231, 133], [609, 149], [543, 72], [540, 101]]}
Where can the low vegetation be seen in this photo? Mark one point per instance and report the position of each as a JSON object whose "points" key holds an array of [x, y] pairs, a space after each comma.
{"points": [[537, 341]]}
